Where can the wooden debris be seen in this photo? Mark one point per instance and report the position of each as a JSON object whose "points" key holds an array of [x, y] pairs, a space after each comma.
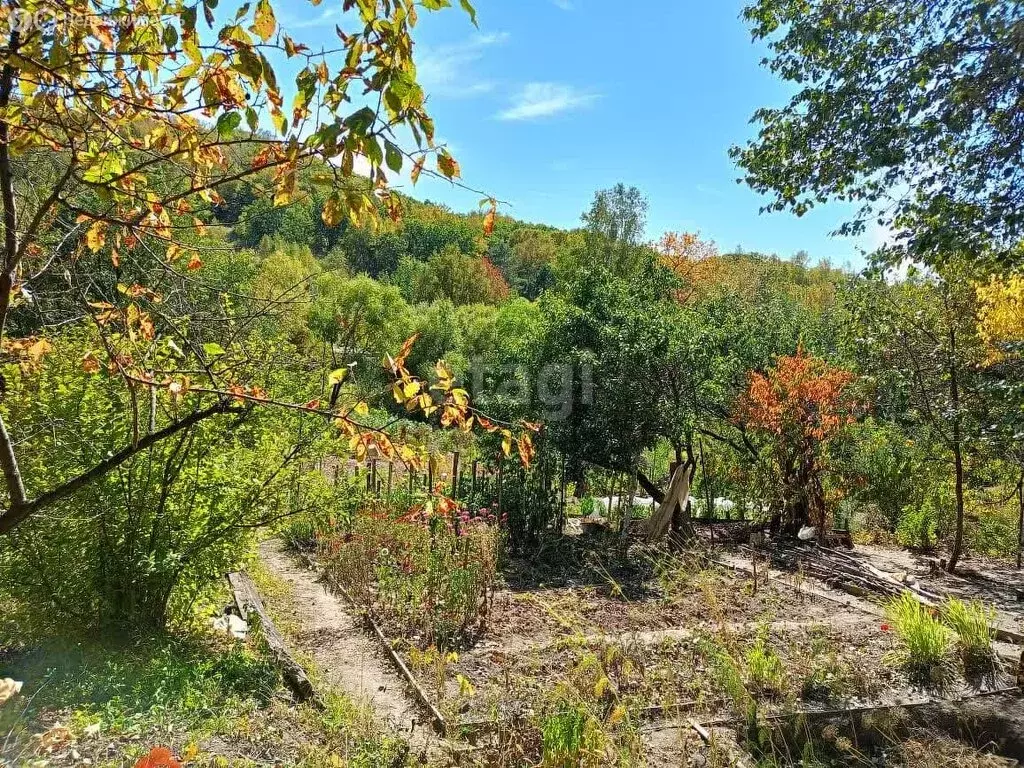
{"points": [[678, 490], [247, 598], [852, 575]]}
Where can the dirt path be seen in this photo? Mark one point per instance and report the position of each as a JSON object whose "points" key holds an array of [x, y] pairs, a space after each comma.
{"points": [[345, 655]]}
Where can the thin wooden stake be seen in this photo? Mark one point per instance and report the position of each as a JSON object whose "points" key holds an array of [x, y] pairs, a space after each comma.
{"points": [[455, 475]]}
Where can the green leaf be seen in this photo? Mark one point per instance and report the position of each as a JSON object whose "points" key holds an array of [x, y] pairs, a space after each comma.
{"points": [[213, 349], [393, 156], [468, 8], [170, 36], [249, 64], [227, 123], [361, 121]]}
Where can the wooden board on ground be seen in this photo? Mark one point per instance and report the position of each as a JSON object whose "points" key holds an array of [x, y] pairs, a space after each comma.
{"points": [[247, 598]]}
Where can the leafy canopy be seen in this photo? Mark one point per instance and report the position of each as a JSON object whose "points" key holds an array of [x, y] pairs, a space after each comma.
{"points": [[907, 109]]}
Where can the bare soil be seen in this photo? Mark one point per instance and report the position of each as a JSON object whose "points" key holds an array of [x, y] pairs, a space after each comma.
{"points": [[346, 656]]}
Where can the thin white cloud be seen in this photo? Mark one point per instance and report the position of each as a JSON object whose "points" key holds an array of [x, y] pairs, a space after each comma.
{"points": [[878, 236], [446, 71], [565, 5], [708, 191], [537, 100], [325, 15]]}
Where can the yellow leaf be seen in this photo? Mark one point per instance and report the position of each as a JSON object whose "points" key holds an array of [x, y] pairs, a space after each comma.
{"points": [[337, 376], [417, 168], [617, 715], [333, 210], [174, 252], [96, 235], [264, 22], [446, 165], [90, 364]]}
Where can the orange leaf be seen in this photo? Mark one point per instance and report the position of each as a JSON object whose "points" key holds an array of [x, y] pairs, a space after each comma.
{"points": [[158, 757]]}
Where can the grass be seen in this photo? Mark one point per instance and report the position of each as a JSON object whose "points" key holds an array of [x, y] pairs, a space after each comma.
{"points": [[214, 701], [130, 688], [765, 674], [925, 640], [571, 738], [972, 621]]}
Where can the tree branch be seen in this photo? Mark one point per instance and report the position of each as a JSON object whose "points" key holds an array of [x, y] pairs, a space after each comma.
{"points": [[18, 512]]}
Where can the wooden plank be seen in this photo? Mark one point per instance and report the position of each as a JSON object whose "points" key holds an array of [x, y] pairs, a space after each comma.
{"points": [[247, 598]]}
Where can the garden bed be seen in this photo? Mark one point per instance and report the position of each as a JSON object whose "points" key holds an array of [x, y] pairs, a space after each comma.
{"points": [[784, 665], [604, 653]]}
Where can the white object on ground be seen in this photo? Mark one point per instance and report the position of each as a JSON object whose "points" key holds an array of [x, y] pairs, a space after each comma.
{"points": [[807, 533], [8, 688], [234, 625]]}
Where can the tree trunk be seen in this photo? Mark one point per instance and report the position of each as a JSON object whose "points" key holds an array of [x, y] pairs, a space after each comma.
{"points": [[958, 536], [627, 511], [958, 455], [678, 492], [648, 485]]}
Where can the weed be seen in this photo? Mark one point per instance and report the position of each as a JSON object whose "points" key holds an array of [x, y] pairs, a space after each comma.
{"points": [[765, 674], [925, 640], [571, 738], [971, 621], [728, 675], [428, 572], [434, 665]]}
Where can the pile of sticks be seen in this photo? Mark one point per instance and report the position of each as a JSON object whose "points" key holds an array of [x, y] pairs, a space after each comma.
{"points": [[844, 571]]}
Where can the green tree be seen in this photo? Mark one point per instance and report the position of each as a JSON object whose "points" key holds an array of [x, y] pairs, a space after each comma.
{"points": [[360, 320], [918, 340], [376, 254], [615, 228], [908, 109], [147, 107], [425, 237], [298, 222], [453, 275]]}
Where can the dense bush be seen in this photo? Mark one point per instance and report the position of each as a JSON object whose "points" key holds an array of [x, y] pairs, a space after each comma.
{"points": [[142, 544]]}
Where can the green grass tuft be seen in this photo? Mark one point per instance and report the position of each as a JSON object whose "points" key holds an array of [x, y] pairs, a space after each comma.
{"points": [[925, 640], [972, 622]]}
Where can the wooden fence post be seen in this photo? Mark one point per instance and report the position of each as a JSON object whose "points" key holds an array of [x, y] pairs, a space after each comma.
{"points": [[501, 466], [455, 475], [1020, 523]]}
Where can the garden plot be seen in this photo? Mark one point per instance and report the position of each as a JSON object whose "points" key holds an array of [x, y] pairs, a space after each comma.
{"points": [[583, 651], [782, 665]]}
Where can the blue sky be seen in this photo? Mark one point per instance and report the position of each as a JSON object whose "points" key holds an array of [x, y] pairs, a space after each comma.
{"points": [[551, 100]]}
